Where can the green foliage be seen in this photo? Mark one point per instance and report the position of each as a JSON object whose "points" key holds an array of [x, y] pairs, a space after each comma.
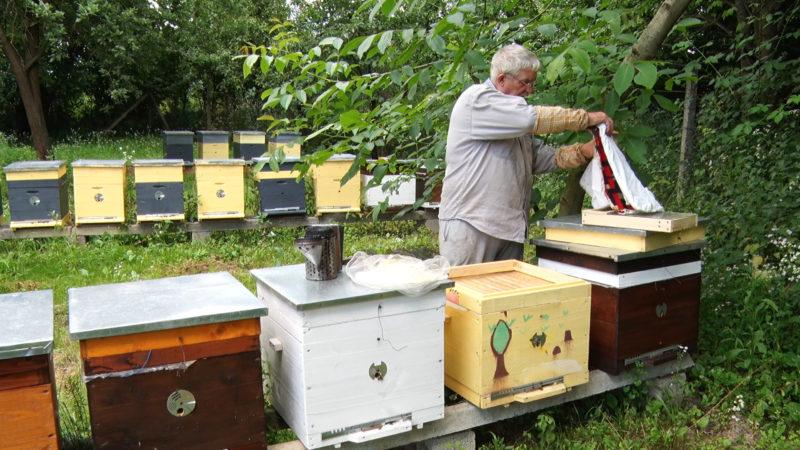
{"points": [[389, 91]]}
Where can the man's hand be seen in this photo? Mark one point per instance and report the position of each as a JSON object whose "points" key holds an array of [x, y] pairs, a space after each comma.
{"points": [[587, 149], [598, 117]]}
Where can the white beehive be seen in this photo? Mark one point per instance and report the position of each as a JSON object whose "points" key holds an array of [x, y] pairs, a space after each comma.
{"points": [[349, 363]]}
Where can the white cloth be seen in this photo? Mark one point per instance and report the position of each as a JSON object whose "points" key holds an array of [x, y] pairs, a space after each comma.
{"points": [[635, 194]]}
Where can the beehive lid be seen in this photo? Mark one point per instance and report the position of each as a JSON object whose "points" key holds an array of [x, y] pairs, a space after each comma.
{"points": [[290, 284], [166, 303], [219, 162], [503, 285], [574, 223], [342, 157], [157, 162], [33, 166], [178, 133], [212, 133], [287, 137], [616, 254], [257, 133], [288, 159], [26, 324], [99, 163]]}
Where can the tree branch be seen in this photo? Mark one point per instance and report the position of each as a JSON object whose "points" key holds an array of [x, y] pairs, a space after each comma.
{"points": [[8, 48], [33, 60], [656, 31]]}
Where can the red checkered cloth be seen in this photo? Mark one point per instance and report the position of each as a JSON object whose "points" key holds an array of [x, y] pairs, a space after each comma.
{"points": [[612, 189]]}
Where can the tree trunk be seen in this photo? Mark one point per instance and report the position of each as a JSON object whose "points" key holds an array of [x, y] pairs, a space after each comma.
{"points": [[572, 199], [744, 29], [645, 48], [689, 132], [656, 31], [26, 73], [208, 105]]}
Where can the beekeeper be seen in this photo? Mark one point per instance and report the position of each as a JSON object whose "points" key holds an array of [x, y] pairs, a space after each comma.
{"points": [[491, 158]]}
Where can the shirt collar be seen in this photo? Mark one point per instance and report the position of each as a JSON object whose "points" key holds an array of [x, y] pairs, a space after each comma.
{"points": [[490, 84]]}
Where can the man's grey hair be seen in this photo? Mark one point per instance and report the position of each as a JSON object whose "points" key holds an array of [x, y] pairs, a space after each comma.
{"points": [[512, 59]]}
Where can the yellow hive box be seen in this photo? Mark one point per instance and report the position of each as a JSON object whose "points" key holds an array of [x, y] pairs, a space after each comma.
{"points": [[213, 144], [515, 332], [99, 191], [159, 189], [290, 143], [220, 188], [329, 195], [571, 229]]}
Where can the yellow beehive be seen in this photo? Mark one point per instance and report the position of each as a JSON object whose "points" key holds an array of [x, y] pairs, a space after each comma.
{"points": [[220, 188], [515, 332], [213, 144], [290, 143], [329, 195], [99, 191], [159, 189]]}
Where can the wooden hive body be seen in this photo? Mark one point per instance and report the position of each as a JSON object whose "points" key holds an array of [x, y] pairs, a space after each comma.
{"points": [[99, 191], [37, 194], [348, 363], [279, 192], [28, 406], [289, 143], [249, 144], [220, 188], [178, 145], [196, 334], [515, 333], [406, 193], [570, 229], [645, 305], [159, 190], [213, 144], [330, 195]]}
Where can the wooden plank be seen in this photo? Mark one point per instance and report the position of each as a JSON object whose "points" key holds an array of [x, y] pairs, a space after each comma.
{"points": [[162, 339], [464, 416], [27, 418], [664, 222], [650, 242], [171, 355], [130, 412], [23, 372]]}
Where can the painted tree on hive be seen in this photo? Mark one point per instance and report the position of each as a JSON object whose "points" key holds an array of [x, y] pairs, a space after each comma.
{"points": [[501, 338]]}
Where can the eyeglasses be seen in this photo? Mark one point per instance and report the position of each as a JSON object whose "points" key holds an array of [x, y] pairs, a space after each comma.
{"points": [[527, 84]]}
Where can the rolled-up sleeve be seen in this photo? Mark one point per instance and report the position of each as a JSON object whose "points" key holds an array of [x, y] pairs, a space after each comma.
{"points": [[549, 158], [555, 119], [570, 157]]}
